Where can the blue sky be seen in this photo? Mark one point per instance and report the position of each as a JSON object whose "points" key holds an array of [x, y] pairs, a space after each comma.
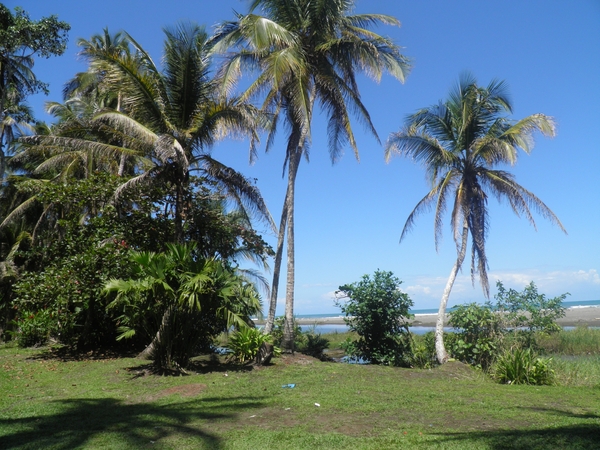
{"points": [[349, 215]]}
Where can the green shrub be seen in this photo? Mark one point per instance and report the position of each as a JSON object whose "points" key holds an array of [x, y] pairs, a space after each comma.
{"points": [[523, 366], [478, 336], [246, 343], [376, 310], [423, 351], [34, 328]]}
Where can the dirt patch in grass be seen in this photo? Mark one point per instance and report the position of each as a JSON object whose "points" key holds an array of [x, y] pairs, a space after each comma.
{"points": [[186, 390], [296, 358]]}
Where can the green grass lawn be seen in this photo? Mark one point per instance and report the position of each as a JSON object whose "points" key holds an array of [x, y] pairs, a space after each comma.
{"points": [[56, 403]]}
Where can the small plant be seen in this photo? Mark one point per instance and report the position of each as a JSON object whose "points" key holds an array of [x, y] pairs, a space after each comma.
{"points": [[34, 328], [246, 342], [315, 344], [277, 333], [523, 366], [423, 351]]}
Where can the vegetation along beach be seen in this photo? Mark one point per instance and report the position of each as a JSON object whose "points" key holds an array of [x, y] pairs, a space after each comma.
{"points": [[290, 224]]}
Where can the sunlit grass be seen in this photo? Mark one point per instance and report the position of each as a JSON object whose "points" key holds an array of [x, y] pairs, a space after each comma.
{"points": [[114, 403]]}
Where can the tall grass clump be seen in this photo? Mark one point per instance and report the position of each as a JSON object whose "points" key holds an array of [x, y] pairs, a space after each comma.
{"points": [[580, 341], [577, 370]]}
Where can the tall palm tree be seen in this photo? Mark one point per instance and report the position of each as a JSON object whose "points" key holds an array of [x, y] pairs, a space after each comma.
{"points": [[306, 51], [461, 142]]}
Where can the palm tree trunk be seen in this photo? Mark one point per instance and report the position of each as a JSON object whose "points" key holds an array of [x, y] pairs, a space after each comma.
{"points": [[179, 194], [159, 341], [288, 329], [440, 349], [270, 323]]}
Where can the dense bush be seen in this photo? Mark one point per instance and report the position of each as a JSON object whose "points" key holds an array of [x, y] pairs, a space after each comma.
{"points": [[66, 296], [478, 336], [376, 309]]}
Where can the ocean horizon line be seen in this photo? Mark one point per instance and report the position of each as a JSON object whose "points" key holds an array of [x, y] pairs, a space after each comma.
{"points": [[429, 311]]}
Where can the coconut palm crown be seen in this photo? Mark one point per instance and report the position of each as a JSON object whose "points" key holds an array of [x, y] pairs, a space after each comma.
{"points": [[163, 123], [463, 143]]}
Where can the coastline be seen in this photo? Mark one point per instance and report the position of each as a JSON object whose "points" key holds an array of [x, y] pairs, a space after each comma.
{"points": [[579, 316]]}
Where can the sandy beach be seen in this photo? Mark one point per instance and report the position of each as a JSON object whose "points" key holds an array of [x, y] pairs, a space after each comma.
{"points": [[574, 316]]}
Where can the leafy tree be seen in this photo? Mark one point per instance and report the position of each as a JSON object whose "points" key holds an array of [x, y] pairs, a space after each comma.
{"points": [[461, 142], [180, 303], [20, 40], [529, 312], [376, 309], [306, 51]]}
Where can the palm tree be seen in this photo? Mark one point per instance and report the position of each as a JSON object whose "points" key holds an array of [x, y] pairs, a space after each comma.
{"points": [[461, 142], [171, 118], [306, 51], [181, 302]]}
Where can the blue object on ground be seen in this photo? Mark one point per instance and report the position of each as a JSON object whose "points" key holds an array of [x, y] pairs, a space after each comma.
{"points": [[291, 386]]}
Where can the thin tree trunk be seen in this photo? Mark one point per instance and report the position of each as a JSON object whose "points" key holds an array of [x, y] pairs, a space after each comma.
{"points": [[440, 349], [3, 87], [270, 323], [179, 195], [288, 329], [123, 156]]}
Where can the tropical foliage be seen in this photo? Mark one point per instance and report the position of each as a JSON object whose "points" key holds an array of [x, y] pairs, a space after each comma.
{"points": [[180, 302], [117, 175], [515, 321], [246, 342], [463, 143], [377, 310]]}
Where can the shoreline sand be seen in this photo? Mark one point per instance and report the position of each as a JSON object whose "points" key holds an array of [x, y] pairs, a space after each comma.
{"points": [[589, 316]]}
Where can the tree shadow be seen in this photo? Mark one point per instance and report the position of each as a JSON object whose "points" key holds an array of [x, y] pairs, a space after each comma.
{"points": [[132, 425], [584, 435]]}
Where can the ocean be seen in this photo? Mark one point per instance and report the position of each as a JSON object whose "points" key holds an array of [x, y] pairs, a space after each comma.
{"points": [[341, 328]]}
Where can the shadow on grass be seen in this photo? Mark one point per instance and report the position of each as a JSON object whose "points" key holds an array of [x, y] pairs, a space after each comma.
{"points": [[585, 436], [64, 353], [111, 423]]}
